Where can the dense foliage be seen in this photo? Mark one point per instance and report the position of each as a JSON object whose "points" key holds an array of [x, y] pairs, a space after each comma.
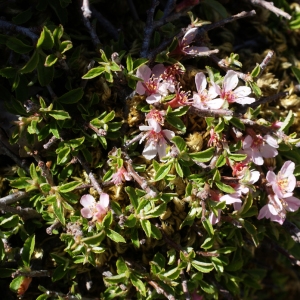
{"points": [[149, 149]]}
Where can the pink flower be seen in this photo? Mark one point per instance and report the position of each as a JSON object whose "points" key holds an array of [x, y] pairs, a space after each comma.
{"points": [[184, 44], [152, 85], [260, 147], [284, 182], [213, 219], [156, 141], [276, 209], [181, 99], [120, 176], [93, 209], [230, 92], [205, 98], [246, 181], [156, 119]]}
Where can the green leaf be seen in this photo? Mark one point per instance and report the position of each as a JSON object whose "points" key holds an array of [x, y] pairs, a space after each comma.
{"points": [[23, 16], [63, 155], [236, 122], [296, 72], [65, 46], [46, 40], [8, 72], [162, 172], [68, 187], [246, 205], [71, 97], [59, 273], [10, 222], [224, 187], [156, 211], [140, 286], [31, 64], [110, 116], [237, 156], [94, 240], [57, 34], [121, 266], [176, 122], [16, 283], [58, 210], [59, 114], [208, 227], [288, 122], [18, 46], [146, 225], [132, 196], [20, 183], [256, 71], [2, 252], [76, 142], [94, 72], [178, 168], [155, 232], [203, 267], [179, 142], [221, 161], [113, 235], [51, 60], [106, 222], [218, 7], [203, 156], [207, 288], [45, 74], [129, 63], [139, 62], [28, 250]]}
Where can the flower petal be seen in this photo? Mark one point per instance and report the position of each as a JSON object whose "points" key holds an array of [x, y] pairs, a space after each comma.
{"points": [[189, 36], [86, 212], [293, 203], [150, 150], [87, 200], [200, 81], [242, 91], [143, 72], [287, 168], [271, 177], [244, 100], [104, 200], [231, 80]]}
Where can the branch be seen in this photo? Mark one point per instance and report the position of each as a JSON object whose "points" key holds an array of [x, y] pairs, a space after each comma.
{"points": [[13, 198], [160, 290], [270, 6], [86, 9], [55, 225], [51, 142], [40, 273], [107, 26], [91, 31], [45, 171], [148, 29], [87, 169], [210, 112], [293, 230], [25, 213], [7, 152], [19, 29], [243, 14], [184, 283], [264, 63]]}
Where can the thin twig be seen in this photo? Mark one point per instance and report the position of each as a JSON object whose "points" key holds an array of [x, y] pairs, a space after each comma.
{"points": [[270, 6], [107, 26], [86, 9], [51, 142], [210, 112], [25, 213], [55, 225], [133, 10], [293, 230], [160, 290], [264, 63], [19, 29], [13, 198], [39, 273], [184, 283], [87, 169], [243, 14], [45, 171], [170, 5], [7, 152], [148, 29]]}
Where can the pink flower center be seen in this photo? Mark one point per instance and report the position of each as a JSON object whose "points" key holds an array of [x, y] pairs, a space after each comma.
{"points": [[150, 86], [283, 184], [257, 142], [228, 96], [156, 115]]}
